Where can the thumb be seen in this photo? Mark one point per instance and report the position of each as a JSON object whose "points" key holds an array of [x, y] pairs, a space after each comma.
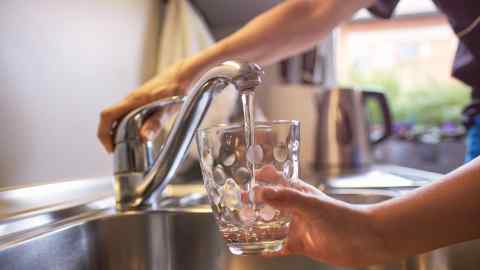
{"points": [[285, 198]]}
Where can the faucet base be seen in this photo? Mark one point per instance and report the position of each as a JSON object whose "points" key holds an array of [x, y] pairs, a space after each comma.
{"points": [[126, 190]]}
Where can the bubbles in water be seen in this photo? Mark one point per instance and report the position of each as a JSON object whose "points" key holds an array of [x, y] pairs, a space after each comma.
{"points": [[255, 153], [267, 213], [247, 215], [229, 160], [231, 194], [242, 176], [280, 152], [219, 175], [288, 169]]}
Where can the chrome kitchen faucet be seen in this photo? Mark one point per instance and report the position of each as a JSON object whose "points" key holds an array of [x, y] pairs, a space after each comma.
{"points": [[142, 167]]}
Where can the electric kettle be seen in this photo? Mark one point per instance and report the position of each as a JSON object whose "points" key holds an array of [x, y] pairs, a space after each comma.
{"points": [[344, 136]]}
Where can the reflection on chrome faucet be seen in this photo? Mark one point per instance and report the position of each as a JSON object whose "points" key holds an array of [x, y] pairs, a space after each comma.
{"points": [[141, 167]]}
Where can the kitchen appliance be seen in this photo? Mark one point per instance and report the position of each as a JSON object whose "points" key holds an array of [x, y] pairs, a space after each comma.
{"points": [[344, 134]]}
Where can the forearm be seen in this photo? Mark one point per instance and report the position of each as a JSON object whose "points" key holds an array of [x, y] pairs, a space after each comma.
{"points": [[286, 29], [437, 215]]}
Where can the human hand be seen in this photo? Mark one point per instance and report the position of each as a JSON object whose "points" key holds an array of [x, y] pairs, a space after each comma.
{"points": [[171, 83], [322, 228]]}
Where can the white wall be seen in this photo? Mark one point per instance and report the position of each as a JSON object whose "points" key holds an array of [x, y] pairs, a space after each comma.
{"points": [[61, 62]]}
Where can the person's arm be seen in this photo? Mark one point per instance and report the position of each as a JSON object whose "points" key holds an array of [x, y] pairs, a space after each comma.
{"points": [[286, 29], [440, 214]]}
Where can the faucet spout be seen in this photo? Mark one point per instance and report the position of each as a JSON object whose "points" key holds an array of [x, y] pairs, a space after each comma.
{"points": [[137, 173]]}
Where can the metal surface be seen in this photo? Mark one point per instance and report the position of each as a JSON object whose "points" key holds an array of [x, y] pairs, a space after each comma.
{"points": [[373, 178], [139, 170], [186, 238], [180, 234], [343, 140], [32, 206]]}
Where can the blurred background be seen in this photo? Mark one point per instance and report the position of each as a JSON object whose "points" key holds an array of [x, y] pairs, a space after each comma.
{"points": [[62, 62]]}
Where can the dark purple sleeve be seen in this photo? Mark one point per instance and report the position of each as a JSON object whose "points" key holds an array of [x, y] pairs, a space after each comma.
{"points": [[383, 8]]}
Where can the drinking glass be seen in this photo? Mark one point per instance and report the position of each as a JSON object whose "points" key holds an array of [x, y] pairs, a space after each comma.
{"points": [[248, 225]]}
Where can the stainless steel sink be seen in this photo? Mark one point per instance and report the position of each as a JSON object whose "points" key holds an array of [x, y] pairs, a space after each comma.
{"points": [[182, 235]]}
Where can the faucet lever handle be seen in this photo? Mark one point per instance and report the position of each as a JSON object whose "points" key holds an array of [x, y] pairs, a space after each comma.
{"points": [[133, 152], [128, 129]]}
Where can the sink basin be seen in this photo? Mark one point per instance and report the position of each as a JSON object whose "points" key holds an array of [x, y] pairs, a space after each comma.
{"points": [[182, 235]]}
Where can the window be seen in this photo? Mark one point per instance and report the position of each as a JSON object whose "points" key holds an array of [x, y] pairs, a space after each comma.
{"points": [[408, 57]]}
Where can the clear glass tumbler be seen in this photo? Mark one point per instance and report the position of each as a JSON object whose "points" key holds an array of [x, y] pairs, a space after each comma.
{"points": [[248, 225]]}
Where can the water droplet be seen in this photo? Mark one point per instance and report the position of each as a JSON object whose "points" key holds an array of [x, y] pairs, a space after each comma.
{"points": [[280, 152], [267, 213], [247, 215], [255, 153], [242, 176], [229, 160], [288, 169], [219, 175], [231, 194]]}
